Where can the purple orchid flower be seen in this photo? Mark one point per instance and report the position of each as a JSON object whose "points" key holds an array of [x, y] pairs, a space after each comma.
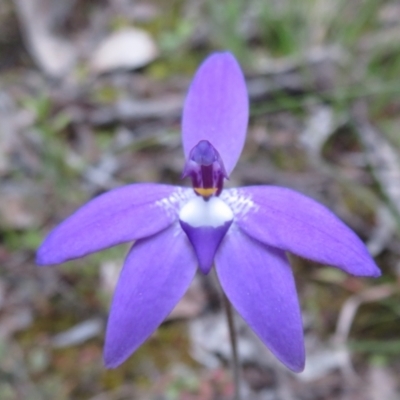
{"points": [[245, 231]]}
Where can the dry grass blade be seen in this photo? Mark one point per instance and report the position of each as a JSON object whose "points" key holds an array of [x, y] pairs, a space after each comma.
{"points": [[350, 307], [381, 156], [53, 54]]}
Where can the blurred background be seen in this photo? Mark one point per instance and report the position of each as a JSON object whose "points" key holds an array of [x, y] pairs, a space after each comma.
{"points": [[90, 99]]}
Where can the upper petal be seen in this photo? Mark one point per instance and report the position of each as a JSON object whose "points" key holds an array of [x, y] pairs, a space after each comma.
{"points": [[258, 281], [120, 215], [286, 219], [217, 108], [156, 274]]}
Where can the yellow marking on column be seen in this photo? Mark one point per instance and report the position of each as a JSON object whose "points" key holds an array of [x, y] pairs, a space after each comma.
{"points": [[205, 192]]}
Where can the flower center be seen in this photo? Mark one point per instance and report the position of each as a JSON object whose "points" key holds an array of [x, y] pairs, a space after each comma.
{"points": [[199, 213], [206, 169]]}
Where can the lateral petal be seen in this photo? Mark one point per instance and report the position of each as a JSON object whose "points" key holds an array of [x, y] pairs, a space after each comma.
{"points": [[216, 108], [290, 221], [125, 214], [157, 272], [258, 281]]}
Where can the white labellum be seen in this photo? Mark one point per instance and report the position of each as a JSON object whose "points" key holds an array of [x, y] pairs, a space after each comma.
{"points": [[200, 213]]}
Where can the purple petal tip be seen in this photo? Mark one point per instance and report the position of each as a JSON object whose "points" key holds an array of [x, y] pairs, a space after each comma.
{"points": [[40, 260], [44, 257], [155, 276], [121, 215], [288, 220], [111, 363], [259, 283], [297, 367], [375, 272]]}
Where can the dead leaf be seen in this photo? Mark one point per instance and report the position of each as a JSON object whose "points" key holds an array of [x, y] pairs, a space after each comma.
{"points": [[382, 384], [318, 128], [19, 320], [20, 207], [380, 155], [79, 333], [129, 48], [54, 55]]}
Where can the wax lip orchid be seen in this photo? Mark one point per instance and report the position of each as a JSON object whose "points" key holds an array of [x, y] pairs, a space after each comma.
{"points": [[245, 232]]}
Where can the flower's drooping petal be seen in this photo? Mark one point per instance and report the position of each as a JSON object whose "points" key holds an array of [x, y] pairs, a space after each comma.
{"points": [[121, 215], [156, 274], [258, 281], [216, 108], [283, 218], [205, 222]]}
